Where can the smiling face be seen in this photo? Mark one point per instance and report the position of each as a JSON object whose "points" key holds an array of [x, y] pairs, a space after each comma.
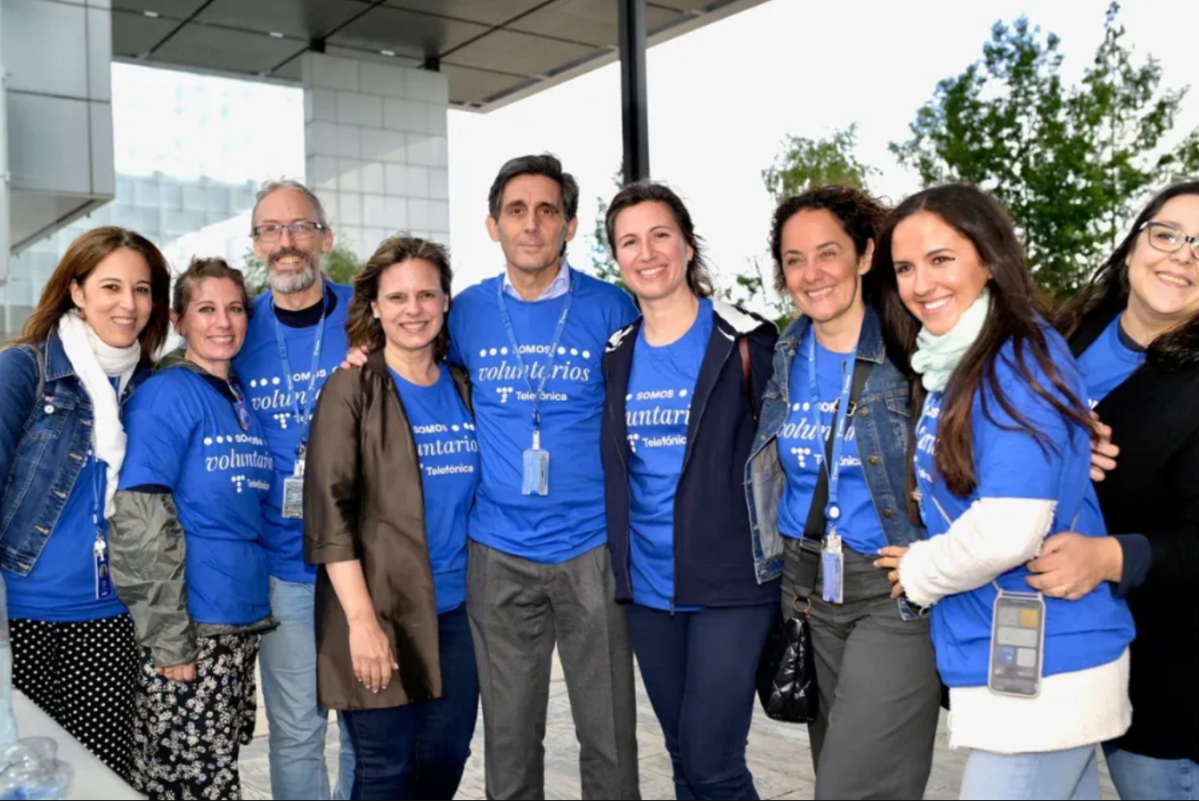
{"points": [[938, 270], [651, 250], [1165, 286], [116, 297], [292, 264], [532, 228], [822, 269], [214, 323], [411, 305]]}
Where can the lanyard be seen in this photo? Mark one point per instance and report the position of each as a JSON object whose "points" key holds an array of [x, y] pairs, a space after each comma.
{"points": [[832, 511], [303, 413], [98, 473], [549, 367]]}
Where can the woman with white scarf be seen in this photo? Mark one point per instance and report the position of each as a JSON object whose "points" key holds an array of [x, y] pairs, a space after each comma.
{"points": [[1003, 457], [63, 383]]}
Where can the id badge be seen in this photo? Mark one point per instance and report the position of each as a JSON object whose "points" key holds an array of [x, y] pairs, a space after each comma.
{"points": [[536, 479], [1017, 645], [832, 561], [104, 588]]}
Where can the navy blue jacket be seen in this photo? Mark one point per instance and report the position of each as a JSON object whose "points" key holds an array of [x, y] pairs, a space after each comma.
{"points": [[713, 541]]}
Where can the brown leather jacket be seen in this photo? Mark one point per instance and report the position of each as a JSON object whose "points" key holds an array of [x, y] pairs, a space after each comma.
{"points": [[363, 500]]}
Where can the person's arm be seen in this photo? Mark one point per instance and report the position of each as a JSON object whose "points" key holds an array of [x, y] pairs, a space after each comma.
{"points": [[332, 506], [18, 394], [761, 357], [146, 541], [148, 557]]}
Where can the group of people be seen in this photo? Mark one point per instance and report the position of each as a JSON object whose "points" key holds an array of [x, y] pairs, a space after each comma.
{"points": [[399, 504]]}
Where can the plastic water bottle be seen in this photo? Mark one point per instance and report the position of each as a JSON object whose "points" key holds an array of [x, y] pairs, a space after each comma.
{"points": [[31, 769], [8, 723]]}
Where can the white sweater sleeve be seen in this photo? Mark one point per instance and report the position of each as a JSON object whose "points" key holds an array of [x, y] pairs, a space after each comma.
{"points": [[990, 538]]}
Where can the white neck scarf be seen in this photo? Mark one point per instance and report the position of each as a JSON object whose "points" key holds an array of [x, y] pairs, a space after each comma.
{"points": [[937, 357], [95, 364]]}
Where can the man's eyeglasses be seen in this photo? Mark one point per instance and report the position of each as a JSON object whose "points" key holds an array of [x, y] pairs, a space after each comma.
{"points": [[300, 231], [1168, 239]]}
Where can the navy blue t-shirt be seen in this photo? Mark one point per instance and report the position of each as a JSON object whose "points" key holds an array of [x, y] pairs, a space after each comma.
{"points": [[449, 465], [657, 412], [261, 371], [570, 520], [802, 447], [1013, 464], [186, 436], [1109, 361]]}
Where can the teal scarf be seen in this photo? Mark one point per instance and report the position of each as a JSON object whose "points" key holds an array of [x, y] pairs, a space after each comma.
{"points": [[937, 357]]}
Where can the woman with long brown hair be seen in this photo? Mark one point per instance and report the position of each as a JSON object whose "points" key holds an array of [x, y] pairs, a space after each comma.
{"points": [[392, 469], [1003, 459], [83, 352]]}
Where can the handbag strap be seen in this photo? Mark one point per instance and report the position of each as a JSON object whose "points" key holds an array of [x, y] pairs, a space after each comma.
{"points": [[809, 546]]}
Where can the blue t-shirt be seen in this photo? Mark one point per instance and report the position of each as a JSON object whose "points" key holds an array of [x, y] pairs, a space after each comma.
{"points": [[801, 450], [1109, 361], [569, 521], [261, 372], [657, 412], [61, 588], [185, 435], [449, 464], [1013, 464]]}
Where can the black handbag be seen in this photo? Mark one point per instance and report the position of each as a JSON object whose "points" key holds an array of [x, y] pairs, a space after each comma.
{"points": [[787, 669], [787, 672]]}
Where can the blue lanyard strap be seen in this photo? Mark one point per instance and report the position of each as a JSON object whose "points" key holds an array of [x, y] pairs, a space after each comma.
{"points": [[303, 412], [549, 367], [840, 423]]}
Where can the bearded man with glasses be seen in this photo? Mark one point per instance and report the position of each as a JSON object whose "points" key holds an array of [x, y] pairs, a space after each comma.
{"points": [[296, 338]]}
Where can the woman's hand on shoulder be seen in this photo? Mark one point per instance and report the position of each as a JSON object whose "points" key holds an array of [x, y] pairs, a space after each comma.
{"points": [[1103, 452], [356, 356]]}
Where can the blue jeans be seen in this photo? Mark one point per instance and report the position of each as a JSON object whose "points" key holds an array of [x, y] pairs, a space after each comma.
{"points": [[297, 723], [1140, 777], [420, 750], [1072, 774], [699, 670]]}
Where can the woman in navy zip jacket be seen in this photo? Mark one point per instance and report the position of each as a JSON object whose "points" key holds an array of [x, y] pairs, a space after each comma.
{"points": [[879, 693], [683, 384], [84, 351]]}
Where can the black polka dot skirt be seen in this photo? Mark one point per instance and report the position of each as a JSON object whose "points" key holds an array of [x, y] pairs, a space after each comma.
{"points": [[83, 676]]}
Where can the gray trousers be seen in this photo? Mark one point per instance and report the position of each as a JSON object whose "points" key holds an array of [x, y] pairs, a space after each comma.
{"points": [[518, 610], [880, 695]]}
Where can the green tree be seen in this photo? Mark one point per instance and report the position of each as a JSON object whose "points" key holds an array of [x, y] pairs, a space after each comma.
{"points": [[340, 266], [1071, 164], [805, 163], [602, 263]]}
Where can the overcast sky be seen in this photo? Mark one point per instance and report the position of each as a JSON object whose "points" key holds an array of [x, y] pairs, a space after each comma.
{"points": [[721, 101]]}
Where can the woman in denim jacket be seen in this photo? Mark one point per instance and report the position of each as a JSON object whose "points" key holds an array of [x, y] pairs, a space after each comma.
{"points": [[83, 352], [879, 692]]}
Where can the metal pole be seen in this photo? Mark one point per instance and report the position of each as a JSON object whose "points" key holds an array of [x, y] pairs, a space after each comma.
{"points": [[634, 103]]}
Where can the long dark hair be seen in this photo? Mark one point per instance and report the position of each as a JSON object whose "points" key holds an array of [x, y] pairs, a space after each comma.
{"points": [[1016, 315], [84, 254], [361, 326], [1109, 289], [699, 277]]}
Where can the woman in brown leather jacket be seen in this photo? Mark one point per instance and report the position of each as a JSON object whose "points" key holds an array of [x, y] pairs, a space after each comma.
{"points": [[392, 470]]}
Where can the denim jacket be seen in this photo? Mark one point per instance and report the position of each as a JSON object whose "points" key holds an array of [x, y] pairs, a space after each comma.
{"points": [[882, 423], [44, 440]]}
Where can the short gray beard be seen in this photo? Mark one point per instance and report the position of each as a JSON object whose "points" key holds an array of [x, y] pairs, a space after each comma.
{"points": [[296, 282]]}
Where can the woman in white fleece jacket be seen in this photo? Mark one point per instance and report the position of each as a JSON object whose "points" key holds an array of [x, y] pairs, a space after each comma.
{"points": [[1002, 460]]}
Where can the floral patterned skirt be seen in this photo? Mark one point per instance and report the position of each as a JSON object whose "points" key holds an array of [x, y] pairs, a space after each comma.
{"points": [[187, 736]]}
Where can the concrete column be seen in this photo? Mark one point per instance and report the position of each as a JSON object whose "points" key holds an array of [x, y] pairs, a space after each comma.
{"points": [[377, 149]]}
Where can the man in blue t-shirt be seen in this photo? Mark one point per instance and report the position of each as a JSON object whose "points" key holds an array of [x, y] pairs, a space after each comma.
{"points": [[296, 339], [539, 573]]}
